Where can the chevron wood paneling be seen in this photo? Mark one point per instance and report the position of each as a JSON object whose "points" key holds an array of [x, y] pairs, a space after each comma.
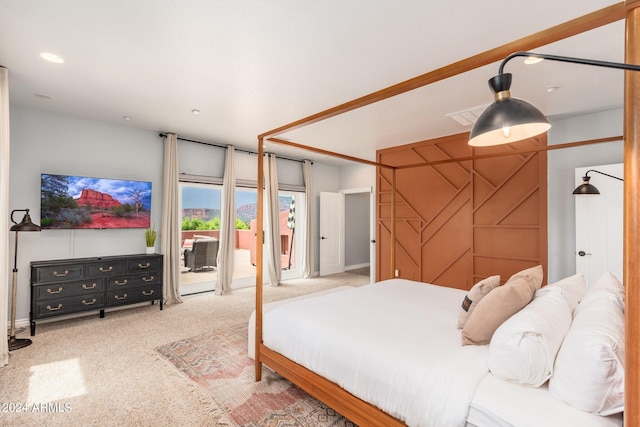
{"points": [[462, 221]]}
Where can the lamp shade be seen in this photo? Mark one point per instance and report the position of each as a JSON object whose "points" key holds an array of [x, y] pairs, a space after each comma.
{"points": [[507, 119], [26, 224], [585, 188]]}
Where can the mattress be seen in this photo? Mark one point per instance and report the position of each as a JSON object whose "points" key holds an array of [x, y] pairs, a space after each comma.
{"points": [[499, 403], [394, 344]]}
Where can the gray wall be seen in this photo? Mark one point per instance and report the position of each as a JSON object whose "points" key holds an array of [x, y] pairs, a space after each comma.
{"points": [[561, 181], [42, 142], [356, 226]]}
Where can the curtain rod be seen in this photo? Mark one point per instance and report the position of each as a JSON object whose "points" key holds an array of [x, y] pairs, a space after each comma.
{"points": [[242, 150]]}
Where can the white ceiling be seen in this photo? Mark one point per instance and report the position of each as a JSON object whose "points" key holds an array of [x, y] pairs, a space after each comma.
{"points": [[251, 66]]}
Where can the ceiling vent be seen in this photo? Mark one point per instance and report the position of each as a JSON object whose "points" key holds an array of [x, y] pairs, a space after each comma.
{"points": [[469, 116]]}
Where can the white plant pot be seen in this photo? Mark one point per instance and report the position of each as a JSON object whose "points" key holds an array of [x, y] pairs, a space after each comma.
{"points": [[151, 250]]}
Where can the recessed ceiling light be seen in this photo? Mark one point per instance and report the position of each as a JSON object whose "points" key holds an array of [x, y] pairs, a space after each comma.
{"points": [[51, 57], [127, 118], [45, 97], [533, 60], [195, 111], [552, 88]]}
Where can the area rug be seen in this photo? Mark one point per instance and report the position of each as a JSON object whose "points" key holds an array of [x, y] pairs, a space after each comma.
{"points": [[218, 363]]}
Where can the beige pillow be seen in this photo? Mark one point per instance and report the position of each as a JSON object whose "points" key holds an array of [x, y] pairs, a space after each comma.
{"points": [[500, 304], [477, 292]]}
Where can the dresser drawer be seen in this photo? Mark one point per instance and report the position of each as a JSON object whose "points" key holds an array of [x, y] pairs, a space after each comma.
{"points": [[69, 305], [134, 280], [67, 289], [144, 264], [130, 296], [105, 268], [57, 273]]}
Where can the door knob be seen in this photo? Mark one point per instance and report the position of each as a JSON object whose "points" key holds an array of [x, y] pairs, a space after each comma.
{"points": [[583, 253], [322, 237]]}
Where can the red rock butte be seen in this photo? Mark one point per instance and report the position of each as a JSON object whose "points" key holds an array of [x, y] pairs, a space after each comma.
{"points": [[96, 199]]}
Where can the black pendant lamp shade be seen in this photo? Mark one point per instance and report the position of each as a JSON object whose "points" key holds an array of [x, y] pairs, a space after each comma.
{"points": [[507, 119], [585, 188], [510, 119]]}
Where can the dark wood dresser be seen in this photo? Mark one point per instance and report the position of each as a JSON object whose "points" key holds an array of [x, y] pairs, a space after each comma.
{"points": [[69, 286]]}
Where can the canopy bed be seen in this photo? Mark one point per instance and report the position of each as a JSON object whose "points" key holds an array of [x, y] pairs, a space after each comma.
{"points": [[368, 412]]}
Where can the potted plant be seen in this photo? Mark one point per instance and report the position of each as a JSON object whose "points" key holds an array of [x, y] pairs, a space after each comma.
{"points": [[150, 235]]}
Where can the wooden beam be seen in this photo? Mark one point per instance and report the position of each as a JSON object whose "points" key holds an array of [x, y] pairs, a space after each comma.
{"points": [[576, 26], [631, 256], [327, 152], [259, 258], [514, 152]]}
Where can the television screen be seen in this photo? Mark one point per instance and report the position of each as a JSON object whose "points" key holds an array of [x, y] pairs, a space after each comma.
{"points": [[68, 202]]}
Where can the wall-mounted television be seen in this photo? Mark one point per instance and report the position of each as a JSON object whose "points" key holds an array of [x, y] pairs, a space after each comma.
{"points": [[70, 202]]}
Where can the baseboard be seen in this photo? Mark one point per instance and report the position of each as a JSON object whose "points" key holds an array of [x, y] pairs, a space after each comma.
{"points": [[20, 323], [356, 266]]}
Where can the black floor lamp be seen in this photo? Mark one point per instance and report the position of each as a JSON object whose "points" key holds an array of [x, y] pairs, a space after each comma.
{"points": [[24, 225]]}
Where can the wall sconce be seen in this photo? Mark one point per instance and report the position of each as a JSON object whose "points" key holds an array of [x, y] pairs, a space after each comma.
{"points": [[510, 119], [586, 188], [24, 225]]}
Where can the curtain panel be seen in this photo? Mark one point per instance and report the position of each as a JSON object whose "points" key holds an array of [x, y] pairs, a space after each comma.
{"points": [[170, 229], [272, 221], [308, 262], [4, 208], [226, 254]]}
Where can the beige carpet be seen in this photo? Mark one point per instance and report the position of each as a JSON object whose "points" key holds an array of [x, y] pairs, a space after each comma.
{"points": [[105, 372]]}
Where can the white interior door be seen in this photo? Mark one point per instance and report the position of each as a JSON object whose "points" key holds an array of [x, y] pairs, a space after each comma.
{"points": [[331, 233], [599, 226]]}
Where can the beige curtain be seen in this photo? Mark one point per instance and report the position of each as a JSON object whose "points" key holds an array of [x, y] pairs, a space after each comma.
{"points": [[4, 209], [308, 262], [226, 254], [170, 230], [272, 222]]}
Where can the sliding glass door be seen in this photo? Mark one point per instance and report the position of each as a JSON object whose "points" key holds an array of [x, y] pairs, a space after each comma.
{"points": [[200, 225], [200, 234]]}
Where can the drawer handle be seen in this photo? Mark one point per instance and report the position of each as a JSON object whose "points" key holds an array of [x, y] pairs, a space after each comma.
{"points": [[147, 265], [145, 293], [54, 308], [87, 287], [106, 270], [54, 292], [149, 279], [93, 301], [55, 273], [121, 284], [120, 298]]}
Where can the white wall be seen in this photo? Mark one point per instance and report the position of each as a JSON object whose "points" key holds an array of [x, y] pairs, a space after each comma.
{"points": [[561, 180], [43, 142]]}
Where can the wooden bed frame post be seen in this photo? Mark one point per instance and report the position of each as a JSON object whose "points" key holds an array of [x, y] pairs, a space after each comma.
{"points": [[631, 267], [393, 222], [259, 247]]}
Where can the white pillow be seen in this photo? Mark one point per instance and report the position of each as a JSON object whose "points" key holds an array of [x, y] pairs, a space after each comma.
{"points": [[607, 283], [589, 369], [573, 288], [523, 349]]}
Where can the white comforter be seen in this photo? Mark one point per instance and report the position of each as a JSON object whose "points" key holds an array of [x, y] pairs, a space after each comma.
{"points": [[394, 344]]}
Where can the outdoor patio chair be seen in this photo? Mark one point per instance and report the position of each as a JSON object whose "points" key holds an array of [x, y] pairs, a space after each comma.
{"points": [[203, 256]]}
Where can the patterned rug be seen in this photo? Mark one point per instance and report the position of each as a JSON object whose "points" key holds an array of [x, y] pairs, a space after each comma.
{"points": [[218, 362]]}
